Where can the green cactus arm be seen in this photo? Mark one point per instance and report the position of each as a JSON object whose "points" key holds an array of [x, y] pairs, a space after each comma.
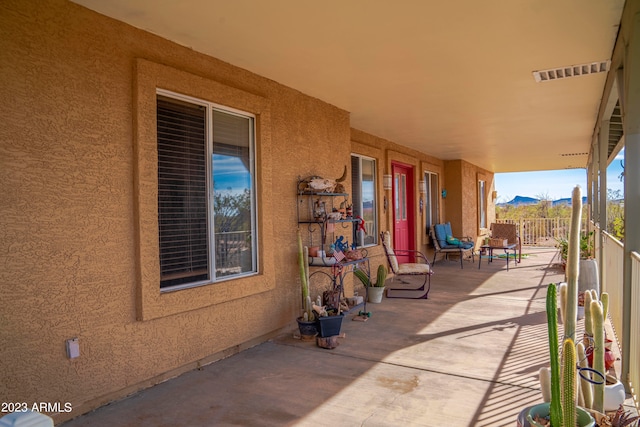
{"points": [[587, 313], [598, 353], [555, 407], [569, 384], [363, 277], [303, 274], [563, 302], [382, 275], [573, 259], [544, 375], [585, 386], [604, 299]]}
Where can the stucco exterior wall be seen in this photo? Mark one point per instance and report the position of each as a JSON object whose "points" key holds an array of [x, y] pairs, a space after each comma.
{"points": [[462, 205], [77, 207]]}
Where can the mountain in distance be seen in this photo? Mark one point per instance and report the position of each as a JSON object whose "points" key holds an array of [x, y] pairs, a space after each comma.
{"points": [[523, 200]]}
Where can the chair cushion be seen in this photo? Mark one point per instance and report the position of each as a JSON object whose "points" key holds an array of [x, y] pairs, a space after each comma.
{"points": [[413, 268], [466, 245], [453, 241], [441, 234], [447, 229], [393, 261]]}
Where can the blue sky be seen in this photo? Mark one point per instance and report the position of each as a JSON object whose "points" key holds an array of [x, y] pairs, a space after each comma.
{"points": [[556, 184]]}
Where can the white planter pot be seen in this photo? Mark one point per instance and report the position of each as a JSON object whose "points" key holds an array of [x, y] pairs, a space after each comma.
{"points": [[588, 277], [375, 294], [614, 394]]}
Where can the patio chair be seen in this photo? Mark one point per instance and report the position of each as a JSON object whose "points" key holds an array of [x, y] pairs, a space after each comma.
{"points": [[509, 232], [419, 268], [445, 243]]}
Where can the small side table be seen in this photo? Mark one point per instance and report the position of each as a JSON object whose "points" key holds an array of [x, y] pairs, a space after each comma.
{"points": [[488, 249]]}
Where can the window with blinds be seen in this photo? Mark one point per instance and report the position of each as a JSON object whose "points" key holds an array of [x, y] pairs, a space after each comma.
{"points": [[363, 196], [206, 209]]}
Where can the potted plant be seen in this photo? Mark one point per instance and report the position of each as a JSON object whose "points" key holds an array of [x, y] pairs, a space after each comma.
{"points": [[588, 278], [306, 322], [375, 291], [562, 410]]}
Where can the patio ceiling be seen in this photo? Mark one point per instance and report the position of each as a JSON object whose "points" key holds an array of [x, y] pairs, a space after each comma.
{"points": [[453, 79]]}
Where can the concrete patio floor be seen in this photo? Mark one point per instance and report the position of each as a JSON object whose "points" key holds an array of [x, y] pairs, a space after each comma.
{"points": [[467, 356]]}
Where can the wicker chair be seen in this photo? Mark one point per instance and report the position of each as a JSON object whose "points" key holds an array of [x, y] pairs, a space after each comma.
{"points": [[420, 268], [510, 233]]}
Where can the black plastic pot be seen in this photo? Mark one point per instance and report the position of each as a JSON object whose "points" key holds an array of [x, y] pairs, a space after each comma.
{"points": [[329, 326]]}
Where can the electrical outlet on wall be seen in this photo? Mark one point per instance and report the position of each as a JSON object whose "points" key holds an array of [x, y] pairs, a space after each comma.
{"points": [[73, 348]]}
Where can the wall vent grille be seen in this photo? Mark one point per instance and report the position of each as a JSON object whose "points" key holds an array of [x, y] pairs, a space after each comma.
{"points": [[571, 71], [573, 154]]}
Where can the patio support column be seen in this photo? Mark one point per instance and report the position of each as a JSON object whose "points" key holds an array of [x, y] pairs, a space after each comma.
{"points": [[631, 127], [596, 183], [603, 148]]}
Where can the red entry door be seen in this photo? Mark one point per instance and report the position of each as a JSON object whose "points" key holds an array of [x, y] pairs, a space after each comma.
{"points": [[403, 209]]}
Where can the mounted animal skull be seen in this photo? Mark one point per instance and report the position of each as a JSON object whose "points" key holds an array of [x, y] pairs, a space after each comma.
{"points": [[317, 184]]}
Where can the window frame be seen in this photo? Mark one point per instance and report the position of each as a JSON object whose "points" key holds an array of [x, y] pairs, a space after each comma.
{"points": [[150, 302], [210, 108], [376, 219], [482, 204], [432, 199]]}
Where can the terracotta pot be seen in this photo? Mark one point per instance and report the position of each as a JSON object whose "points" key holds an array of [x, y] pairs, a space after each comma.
{"points": [[609, 357]]}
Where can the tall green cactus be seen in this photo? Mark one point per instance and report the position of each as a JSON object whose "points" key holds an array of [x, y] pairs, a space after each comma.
{"points": [[604, 299], [382, 276], [568, 384], [554, 355], [562, 290], [573, 260], [585, 386], [597, 315], [588, 329], [304, 282]]}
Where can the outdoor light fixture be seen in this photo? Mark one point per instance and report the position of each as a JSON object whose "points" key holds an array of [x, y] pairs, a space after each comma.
{"points": [[387, 181], [422, 187]]}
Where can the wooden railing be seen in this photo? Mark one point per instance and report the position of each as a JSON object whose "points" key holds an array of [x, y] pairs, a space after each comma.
{"points": [[542, 231], [613, 256], [612, 279]]}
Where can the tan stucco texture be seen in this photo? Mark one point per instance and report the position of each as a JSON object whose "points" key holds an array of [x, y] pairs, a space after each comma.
{"points": [[78, 206]]}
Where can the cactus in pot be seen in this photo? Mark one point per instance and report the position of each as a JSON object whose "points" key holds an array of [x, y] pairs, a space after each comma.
{"points": [[381, 277], [573, 259], [569, 382], [374, 290], [555, 409], [597, 317], [307, 315], [563, 409]]}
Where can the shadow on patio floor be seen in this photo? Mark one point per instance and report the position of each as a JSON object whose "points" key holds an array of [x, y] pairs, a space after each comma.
{"points": [[467, 356]]}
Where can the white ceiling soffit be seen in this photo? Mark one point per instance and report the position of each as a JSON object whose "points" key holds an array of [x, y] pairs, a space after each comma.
{"points": [[449, 78]]}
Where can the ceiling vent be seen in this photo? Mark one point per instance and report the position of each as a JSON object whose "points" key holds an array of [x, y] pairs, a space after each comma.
{"points": [[571, 71], [574, 154]]}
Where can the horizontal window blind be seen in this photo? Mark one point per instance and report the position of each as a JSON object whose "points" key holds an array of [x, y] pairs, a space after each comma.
{"points": [[182, 192]]}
